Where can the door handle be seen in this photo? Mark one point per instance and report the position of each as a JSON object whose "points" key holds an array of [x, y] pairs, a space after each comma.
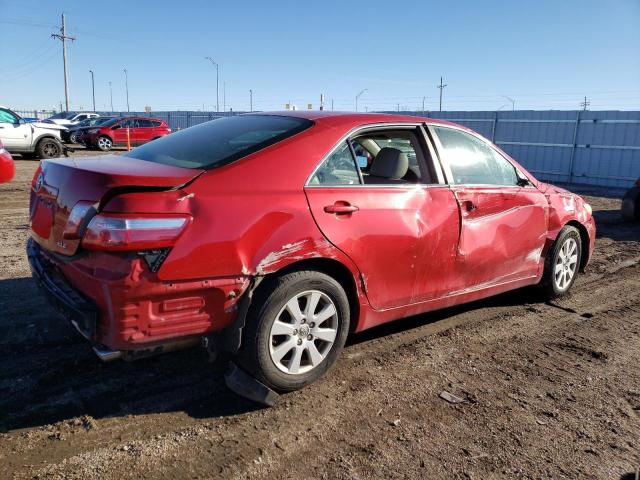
{"points": [[341, 208]]}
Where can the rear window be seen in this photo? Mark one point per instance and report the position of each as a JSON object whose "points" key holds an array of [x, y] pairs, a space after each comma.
{"points": [[220, 141]]}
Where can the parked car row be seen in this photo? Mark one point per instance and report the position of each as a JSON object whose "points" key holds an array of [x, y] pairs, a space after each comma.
{"points": [[44, 139]]}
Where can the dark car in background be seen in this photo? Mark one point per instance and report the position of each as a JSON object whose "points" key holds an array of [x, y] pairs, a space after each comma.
{"points": [[124, 131], [631, 202], [72, 134]]}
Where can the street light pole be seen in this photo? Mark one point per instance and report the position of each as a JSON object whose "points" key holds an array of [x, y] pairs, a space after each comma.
{"points": [[217, 82], [93, 89], [126, 86], [358, 96], [250, 100], [513, 102], [111, 95]]}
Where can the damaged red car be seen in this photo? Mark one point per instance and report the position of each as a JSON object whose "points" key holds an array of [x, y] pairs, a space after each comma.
{"points": [[274, 235]]}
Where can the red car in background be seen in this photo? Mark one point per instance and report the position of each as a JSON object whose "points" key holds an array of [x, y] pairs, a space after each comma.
{"points": [[124, 131], [273, 236], [7, 167]]}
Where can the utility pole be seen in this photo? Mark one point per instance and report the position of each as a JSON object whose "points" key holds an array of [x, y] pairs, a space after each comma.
{"points": [[250, 100], [224, 96], [217, 81], [111, 96], [423, 99], [441, 87], [332, 104], [93, 89], [357, 96], [126, 86], [585, 104], [63, 37]]}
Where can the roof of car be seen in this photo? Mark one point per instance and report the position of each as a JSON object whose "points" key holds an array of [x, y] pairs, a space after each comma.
{"points": [[338, 118]]}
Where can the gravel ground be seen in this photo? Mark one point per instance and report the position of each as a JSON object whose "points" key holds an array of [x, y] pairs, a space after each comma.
{"points": [[545, 390]]}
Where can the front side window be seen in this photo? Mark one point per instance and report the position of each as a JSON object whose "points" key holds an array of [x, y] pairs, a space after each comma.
{"points": [[7, 117], [220, 141], [143, 123], [339, 168], [472, 161]]}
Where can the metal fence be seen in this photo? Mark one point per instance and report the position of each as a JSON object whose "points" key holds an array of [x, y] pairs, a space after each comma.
{"points": [[581, 147]]}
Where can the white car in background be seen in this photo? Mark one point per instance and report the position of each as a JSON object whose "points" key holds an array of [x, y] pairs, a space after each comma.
{"points": [[29, 138], [70, 118]]}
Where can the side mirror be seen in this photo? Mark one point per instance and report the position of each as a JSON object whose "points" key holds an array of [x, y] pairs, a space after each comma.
{"points": [[523, 182], [115, 127]]}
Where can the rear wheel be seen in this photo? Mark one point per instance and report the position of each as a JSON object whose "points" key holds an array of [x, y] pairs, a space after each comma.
{"points": [[73, 137], [295, 330], [105, 143], [562, 263], [48, 148]]}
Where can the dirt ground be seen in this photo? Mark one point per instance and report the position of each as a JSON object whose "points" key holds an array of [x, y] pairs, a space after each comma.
{"points": [[548, 390]]}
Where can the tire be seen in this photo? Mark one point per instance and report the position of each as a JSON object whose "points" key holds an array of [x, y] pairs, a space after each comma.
{"points": [[270, 355], [562, 264], [73, 138], [104, 143], [631, 204], [48, 148]]}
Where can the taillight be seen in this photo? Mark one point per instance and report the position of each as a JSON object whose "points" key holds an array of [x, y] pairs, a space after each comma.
{"points": [[132, 232], [35, 177], [80, 214]]}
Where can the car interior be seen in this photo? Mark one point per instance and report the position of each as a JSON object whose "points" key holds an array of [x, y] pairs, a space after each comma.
{"points": [[382, 157]]}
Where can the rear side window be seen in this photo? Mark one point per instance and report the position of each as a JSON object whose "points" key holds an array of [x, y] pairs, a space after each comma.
{"points": [[144, 123], [220, 141], [156, 123], [474, 162], [339, 168]]}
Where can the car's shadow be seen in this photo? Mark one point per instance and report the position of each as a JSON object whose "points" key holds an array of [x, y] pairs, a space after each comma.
{"points": [[49, 374]]}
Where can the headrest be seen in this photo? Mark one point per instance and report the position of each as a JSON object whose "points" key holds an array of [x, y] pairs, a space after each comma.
{"points": [[390, 163]]}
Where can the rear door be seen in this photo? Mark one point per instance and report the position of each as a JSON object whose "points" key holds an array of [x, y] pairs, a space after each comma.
{"points": [[401, 234], [503, 224], [145, 131]]}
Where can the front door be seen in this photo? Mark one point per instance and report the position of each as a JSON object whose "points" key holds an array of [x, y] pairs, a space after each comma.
{"points": [[503, 224], [400, 232], [15, 136]]}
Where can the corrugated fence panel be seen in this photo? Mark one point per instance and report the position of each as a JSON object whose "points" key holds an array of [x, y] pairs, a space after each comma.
{"points": [[588, 147]]}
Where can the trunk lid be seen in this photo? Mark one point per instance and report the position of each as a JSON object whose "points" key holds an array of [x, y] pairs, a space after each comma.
{"points": [[63, 183]]}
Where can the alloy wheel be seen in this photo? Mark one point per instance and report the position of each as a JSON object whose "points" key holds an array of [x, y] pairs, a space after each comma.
{"points": [[303, 332], [566, 264], [104, 143], [50, 150]]}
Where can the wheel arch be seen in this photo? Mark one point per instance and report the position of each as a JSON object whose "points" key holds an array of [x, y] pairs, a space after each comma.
{"points": [[336, 270], [584, 242]]}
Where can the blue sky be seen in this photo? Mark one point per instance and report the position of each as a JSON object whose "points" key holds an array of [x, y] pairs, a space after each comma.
{"points": [[545, 54]]}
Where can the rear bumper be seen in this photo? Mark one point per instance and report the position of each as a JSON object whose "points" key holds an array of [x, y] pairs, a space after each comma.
{"points": [[80, 311], [119, 305]]}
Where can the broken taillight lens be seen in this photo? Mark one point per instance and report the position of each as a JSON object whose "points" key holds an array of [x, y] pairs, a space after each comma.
{"points": [[127, 232]]}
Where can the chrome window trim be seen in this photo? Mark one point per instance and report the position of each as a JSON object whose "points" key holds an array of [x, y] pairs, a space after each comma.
{"points": [[360, 129]]}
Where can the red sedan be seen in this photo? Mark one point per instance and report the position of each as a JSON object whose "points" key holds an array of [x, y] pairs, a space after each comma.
{"points": [[274, 235], [7, 167], [123, 131]]}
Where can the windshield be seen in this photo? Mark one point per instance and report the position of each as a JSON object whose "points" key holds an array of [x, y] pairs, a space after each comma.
{"points": [[64, 115], [102, 120], [220, 141]]}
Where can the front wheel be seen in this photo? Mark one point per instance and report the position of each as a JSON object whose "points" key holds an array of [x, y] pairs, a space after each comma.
{"points": [[295, 330], [562, 263], [105, 143], [48, 148]]}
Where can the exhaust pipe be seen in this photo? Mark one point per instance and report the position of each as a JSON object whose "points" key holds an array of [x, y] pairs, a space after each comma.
{"points": [[106, 354]]}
